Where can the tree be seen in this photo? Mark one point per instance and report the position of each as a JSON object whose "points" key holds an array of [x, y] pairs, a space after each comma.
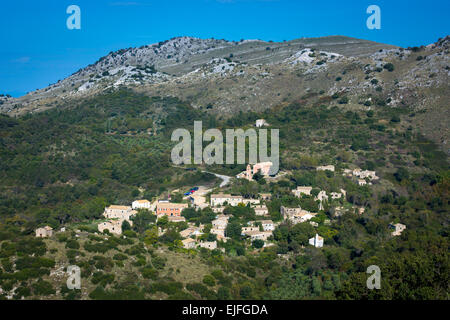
{"points": [[223, 293], [126, 225], [233, 230], [395, 118], [135, 193], [151, 236], [301, 233], [389, 67], [401, 174], [258, 244], [209, 280], [163, 222]]}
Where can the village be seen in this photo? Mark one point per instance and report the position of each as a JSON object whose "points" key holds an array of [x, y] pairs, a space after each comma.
{"points": [[257, 232]]}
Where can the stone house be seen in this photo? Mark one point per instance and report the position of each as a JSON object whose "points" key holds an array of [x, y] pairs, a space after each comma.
{"points": [[259, 235], [176, 219], [119, 212], [250, 201], [262, 167], [265, 196], [323, 168], [44, 232], [261, 210], [302, 190], [246, 230], [191, 231], [114, 226], [211, 245], [220, 222], [189, 243], [220, 233], [218, 209], [296, 215]]}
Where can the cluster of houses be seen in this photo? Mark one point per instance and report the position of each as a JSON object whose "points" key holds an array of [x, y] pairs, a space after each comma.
{"points": [[218, 203], [115, 215], [321, 196], [259, 230], [363, 176]]}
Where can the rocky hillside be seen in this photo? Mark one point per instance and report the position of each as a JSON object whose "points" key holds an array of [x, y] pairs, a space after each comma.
{"points": [[224, 77]]}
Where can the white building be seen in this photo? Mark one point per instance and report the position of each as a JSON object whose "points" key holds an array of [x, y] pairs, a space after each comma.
{"points": [[316, 241], [221, 198], [398, 229], [220, 222], [141, 204], [268, 225], [336, 195], [260, 123], [362, 182]]}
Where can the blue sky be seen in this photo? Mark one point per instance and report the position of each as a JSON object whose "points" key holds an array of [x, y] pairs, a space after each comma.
{"points": [[37, 48]]}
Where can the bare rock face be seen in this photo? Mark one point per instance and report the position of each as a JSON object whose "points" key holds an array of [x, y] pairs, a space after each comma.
{"points": [[225, 77]]}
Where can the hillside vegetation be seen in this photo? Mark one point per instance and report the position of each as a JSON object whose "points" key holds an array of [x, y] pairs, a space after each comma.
{"points": [[60, 167]]}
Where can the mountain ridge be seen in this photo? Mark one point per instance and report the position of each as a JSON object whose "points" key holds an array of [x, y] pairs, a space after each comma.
{"points": [[225, 77]]}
